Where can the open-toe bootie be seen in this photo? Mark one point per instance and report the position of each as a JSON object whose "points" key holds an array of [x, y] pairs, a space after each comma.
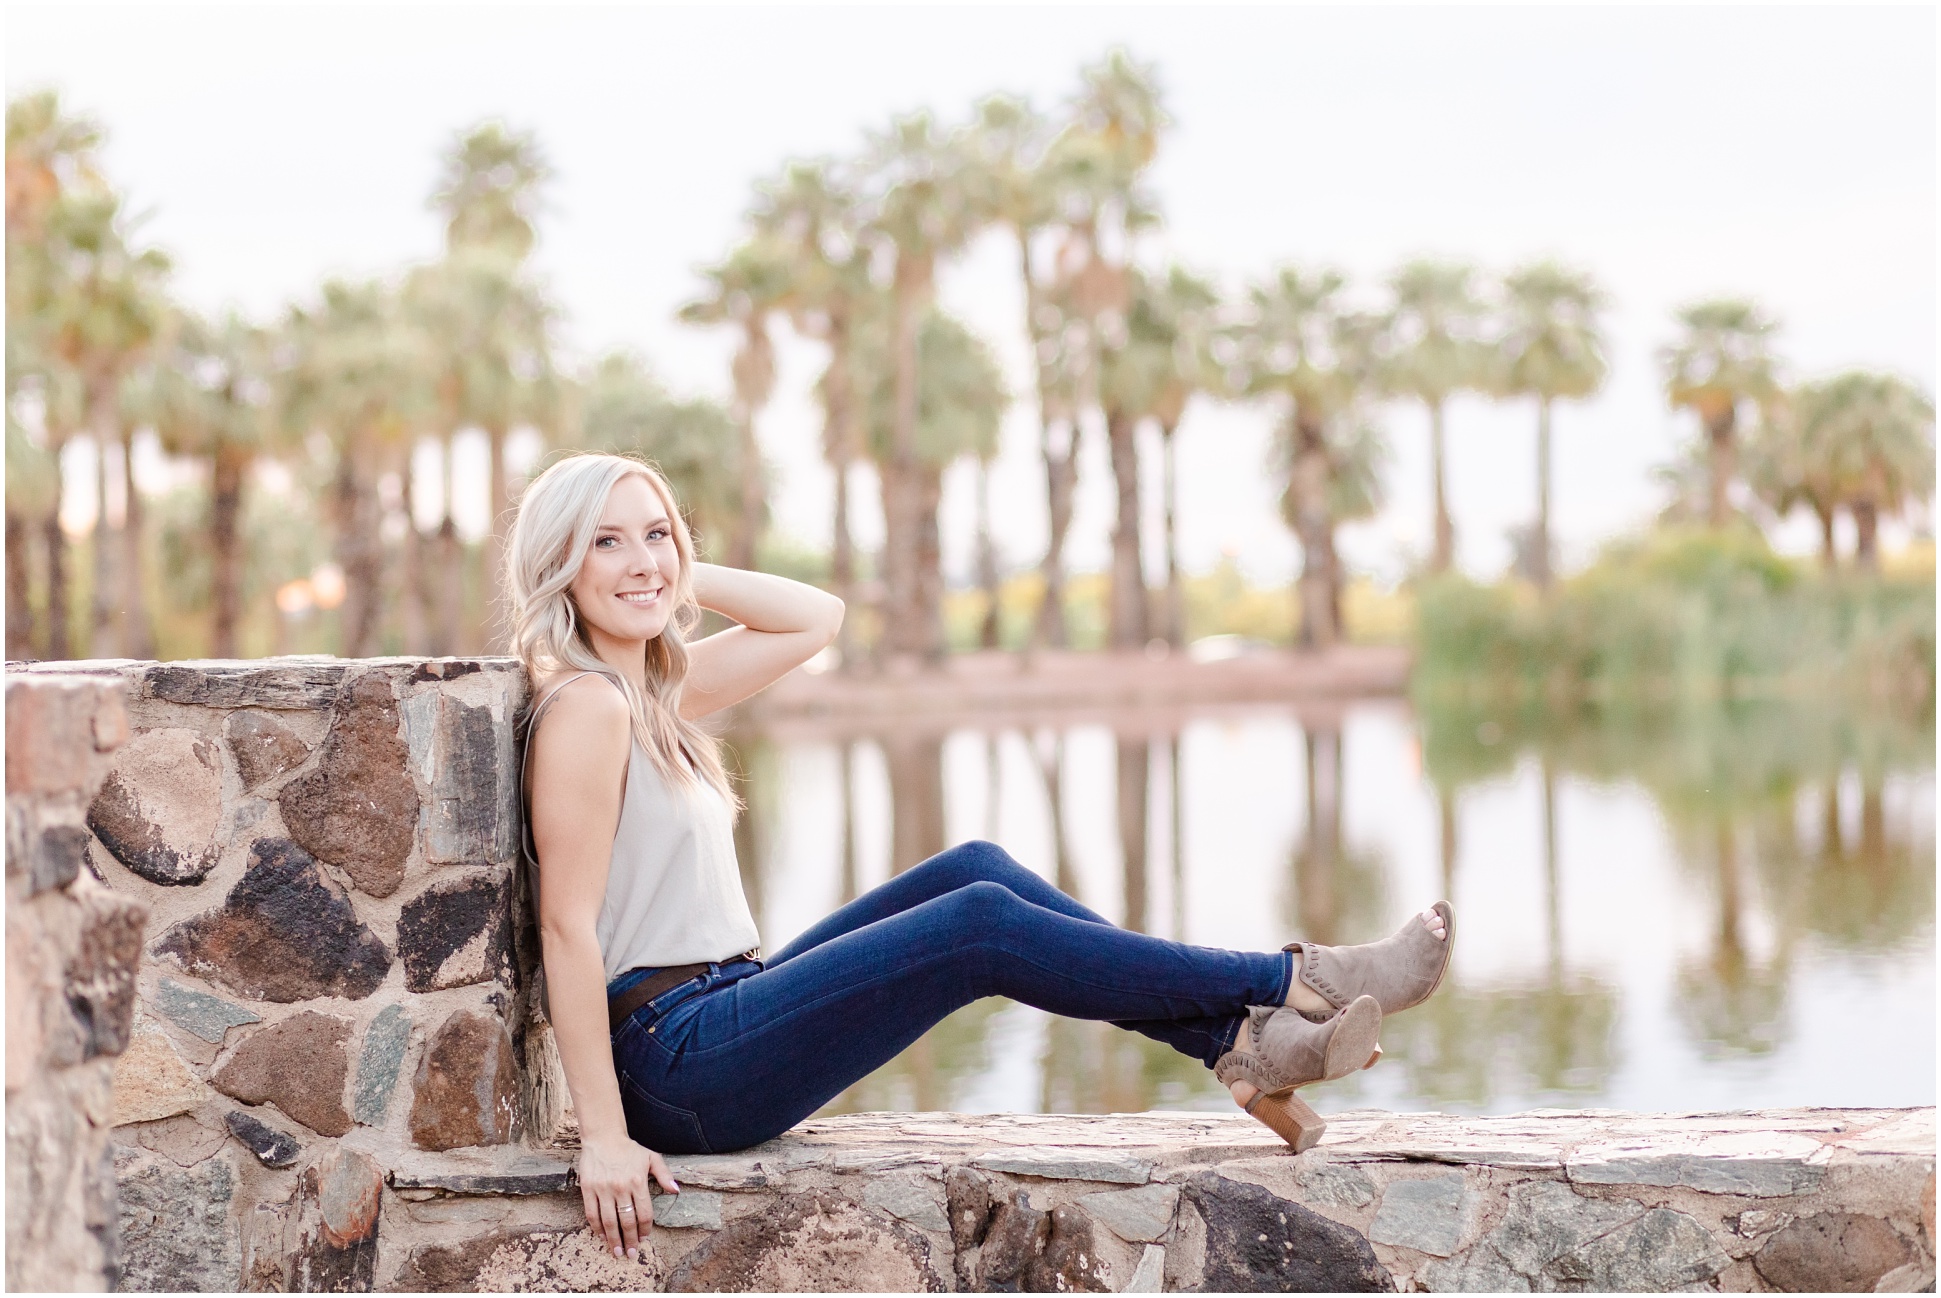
{"points": [[1281, 1049], [1400, 971]]}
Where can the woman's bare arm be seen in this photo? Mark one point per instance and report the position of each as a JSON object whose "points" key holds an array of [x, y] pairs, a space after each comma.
{"points": [[578, 762], [783, 624]]}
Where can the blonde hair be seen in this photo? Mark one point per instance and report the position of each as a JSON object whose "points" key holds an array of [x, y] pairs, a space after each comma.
{"points": [[551, 534]]}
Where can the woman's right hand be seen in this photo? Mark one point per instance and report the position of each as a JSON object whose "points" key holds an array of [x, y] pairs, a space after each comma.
{"points": [[614, 1190]]}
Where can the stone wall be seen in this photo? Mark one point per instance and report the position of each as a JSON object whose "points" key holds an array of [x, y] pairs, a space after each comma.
{"points": [[72, 951], [337, 1079], [338, 967]]}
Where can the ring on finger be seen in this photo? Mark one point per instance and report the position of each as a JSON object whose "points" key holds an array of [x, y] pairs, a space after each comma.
{"points": [[625, 1207]]}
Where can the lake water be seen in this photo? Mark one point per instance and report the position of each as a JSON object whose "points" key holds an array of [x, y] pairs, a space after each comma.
{"points": [[1731, 914]]}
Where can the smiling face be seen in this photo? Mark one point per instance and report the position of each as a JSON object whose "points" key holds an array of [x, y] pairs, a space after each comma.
{"points": [[626, 587]]}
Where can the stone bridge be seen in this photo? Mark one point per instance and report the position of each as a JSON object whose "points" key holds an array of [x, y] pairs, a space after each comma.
{"points": [[279, 903]]}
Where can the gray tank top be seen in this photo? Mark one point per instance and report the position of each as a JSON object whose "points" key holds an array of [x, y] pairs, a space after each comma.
{"points": [[674, 892]]}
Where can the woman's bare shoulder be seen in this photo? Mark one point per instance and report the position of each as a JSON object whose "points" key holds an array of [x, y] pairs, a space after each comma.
{"points": [[587, 706]]}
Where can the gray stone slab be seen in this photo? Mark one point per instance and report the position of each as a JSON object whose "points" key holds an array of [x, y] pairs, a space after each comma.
{"points": [[688, 1210], [378, 1065], [209, 1017], [718, 1171], [502, 1170], [1339, 1185], [1067, 1165], [1425, 1214], [1150, 1275], [1765, 1178], [1140, 1216], [1481, 1270], [915, 1198], [1547, 1220], [1660, 1251]]}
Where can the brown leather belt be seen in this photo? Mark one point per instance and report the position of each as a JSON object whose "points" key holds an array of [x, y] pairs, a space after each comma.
{"points": [[621, 1008]]}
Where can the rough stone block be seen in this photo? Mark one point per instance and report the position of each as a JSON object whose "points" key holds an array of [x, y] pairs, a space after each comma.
{"points": [[358, 808], [378, 1065], [471, 775], [1548, 1220], [284, 933], [208, 1017], [457, 932], [161, 805], [350, 1189], [1068, 1165], [491, 1170], [178, 1231], [99, 979], [466, 1092], [1257, 1240], [299, 1064], [264, 747], [1425, 1214], [567, 1260], [288, 684], [688, 1210], [1339, 1185], [813, 1243], [915, 1199], [1831, 1252], [51, 856], [272, 1148], [1661, 1250], [57, 727], [1143, 1215], [151, 1081]]}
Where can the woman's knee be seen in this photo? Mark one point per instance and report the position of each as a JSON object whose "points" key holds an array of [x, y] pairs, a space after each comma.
{"points": [[981, 909], [975, 861]]}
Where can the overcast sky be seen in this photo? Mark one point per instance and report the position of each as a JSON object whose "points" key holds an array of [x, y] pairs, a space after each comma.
{"points": [[1785, 154]]}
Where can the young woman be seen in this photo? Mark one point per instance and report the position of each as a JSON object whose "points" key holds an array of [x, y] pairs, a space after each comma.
{"points": [[676, 1035]]}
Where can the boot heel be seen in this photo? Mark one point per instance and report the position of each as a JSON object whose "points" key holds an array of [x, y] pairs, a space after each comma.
{"points": [[1291, 1118]]}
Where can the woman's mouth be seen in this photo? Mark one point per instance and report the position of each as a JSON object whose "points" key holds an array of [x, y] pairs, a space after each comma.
{"points": [[640, 598]]}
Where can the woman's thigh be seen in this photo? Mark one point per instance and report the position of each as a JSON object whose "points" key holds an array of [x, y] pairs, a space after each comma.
{"points": [[967, 863]]}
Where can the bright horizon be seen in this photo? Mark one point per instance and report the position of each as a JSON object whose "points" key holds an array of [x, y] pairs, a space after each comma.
{"points": [[1783, 154]]}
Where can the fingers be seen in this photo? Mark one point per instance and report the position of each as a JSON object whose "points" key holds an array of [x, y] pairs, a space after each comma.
{"points": [[610, 1226], [658, 1166], [630, 1227]]}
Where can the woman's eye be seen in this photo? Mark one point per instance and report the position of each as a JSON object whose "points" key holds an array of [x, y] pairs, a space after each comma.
{"points": [[658, 534], [607, 541]]}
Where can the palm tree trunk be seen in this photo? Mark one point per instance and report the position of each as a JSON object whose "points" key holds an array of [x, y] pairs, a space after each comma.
{"points": [[839, 444], [1445, 529], [1540, 540], [1320, 909], [59, 615], [102, 641], [1723, 452], [1552, 892], [20, 610], [1829, 557], [500, 495], [1051, 767], [450, 562], [842, 567], [1308, 484], [137, 632], [415, 578], [1866, 534], [1175, 587], [752, 503], [360, 557], [225, 548], [1061, 477], [905, 629], [1128, 613], [1135, 793], [987, 578], [929, 566], [916, 769]]}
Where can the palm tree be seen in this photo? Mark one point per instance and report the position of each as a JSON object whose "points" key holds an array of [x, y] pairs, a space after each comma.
{"points": [[810, 215], [1722, 361], [1150, 373], [1436, 331], [918, 210], [31, 482], [355, 371], [1552, 348], [1875, 433], [1785, 467], [208, 397], [1297, 344], [494, 326], [960, 403]]}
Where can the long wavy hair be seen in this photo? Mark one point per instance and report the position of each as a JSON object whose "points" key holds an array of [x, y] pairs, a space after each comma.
{"points": [[551, 534]]}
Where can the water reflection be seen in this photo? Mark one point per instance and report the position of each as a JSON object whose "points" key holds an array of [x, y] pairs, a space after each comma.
{"points": [[1655, 907]]}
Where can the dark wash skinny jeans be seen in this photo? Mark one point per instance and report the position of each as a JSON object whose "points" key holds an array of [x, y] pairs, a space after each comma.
{"points": [[746, 1051]]}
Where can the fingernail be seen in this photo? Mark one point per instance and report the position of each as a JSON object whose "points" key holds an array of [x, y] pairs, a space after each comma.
{"points": [[616, 1252], [632, 1253], [677, 1187]]}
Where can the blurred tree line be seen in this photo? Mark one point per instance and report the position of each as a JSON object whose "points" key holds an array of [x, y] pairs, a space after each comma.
{"points": [[341, 416]]}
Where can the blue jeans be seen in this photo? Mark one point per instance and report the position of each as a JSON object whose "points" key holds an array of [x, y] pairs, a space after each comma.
{"points": [[745, 1051]]}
